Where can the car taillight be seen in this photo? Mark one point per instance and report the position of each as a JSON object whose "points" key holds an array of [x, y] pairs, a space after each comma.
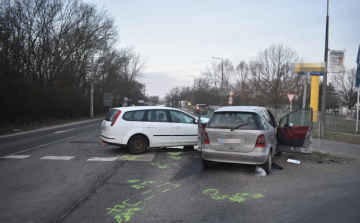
{"points": [[260, 142], [115, 118], [206, 138]]}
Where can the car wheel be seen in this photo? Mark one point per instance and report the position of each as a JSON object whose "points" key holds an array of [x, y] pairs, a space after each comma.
{"points": [[207, 163], [137, 145], [267, 165]]}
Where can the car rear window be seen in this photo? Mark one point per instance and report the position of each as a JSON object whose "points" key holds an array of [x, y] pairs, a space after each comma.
{"points": [[111, 115], [229, 120], [134, 115]]}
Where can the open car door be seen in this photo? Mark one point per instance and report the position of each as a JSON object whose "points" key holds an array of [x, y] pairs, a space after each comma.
{"points": [[294, 132]]}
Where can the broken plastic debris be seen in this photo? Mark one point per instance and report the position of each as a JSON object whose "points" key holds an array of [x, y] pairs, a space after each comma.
{"points": [[259, 172], [276, 166], [293, 161]]}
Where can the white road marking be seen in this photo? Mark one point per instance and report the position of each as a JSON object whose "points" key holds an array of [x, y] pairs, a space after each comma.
{"points": [[103, 158], [15, 156], [64, 130], [57, 157]]}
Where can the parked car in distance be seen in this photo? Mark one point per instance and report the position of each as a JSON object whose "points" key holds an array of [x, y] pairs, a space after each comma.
{"points": [[137, 128], [201, 109], [250, 135]]}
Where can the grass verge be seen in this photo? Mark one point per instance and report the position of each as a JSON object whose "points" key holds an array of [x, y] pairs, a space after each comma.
{"points": [[340, 137]]}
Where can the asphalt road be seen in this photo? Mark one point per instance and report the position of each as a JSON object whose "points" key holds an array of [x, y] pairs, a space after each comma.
{"points": [[77, 179], [22, 141]]}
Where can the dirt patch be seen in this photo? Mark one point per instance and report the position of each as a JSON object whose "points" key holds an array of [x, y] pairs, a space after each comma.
{"points": [[317, 157]]}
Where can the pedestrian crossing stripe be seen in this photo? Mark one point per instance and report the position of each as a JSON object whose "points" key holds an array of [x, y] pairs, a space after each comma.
{"points": [[16, 156], [126, 156], [103, 158], [57, 157]]}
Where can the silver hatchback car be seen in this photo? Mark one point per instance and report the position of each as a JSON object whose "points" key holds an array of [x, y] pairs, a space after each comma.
{"points": [[251, 135]]}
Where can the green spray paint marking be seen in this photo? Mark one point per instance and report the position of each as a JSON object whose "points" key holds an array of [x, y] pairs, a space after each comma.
{"points": [[174, 153], [127, 209], [175, 185], [125, 212], [165, 166], [257, 196], [133, 181], [214, 194], [239, 197], [146, 192], [140, 185], [130, 157]]}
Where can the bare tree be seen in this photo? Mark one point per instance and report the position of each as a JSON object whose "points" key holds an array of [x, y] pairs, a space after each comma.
{"points": [[241, 84], [131, 68], [173, 96], [213, 75], [46, 52], [344, 84], [271, 77]]}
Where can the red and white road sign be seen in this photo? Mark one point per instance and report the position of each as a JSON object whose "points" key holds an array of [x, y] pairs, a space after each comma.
{"points": [[291, 97], [230, 100]]}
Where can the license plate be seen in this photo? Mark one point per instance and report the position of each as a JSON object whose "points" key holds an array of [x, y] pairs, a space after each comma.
{"points": [[226, 141]]}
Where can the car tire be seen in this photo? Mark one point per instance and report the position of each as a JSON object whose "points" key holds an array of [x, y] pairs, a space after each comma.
{"points": [[207, 163], [137, 144], [267, 165]]}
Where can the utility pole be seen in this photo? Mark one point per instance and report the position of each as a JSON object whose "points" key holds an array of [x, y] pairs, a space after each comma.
{"points": [[323, 98], [92, 89], [305, 90]]}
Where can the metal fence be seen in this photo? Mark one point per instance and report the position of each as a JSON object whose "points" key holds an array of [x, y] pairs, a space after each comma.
{"points": [[333, 122]]}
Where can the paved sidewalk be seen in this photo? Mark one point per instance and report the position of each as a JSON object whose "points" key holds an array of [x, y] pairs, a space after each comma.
{"points": [[337, 148]]}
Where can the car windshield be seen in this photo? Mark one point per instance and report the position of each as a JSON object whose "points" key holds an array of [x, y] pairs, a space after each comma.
{"points": [[234, 120]]}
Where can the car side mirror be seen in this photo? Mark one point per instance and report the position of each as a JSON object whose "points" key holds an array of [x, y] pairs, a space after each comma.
{"points": [[196, 121], [290, 124]]}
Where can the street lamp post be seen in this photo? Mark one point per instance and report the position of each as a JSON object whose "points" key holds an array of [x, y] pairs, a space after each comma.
{"points": [[194, 89], [187, 95], [222, 78]]}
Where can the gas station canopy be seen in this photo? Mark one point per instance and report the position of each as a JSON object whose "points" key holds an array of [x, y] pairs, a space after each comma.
{"points": [[301, 68]]}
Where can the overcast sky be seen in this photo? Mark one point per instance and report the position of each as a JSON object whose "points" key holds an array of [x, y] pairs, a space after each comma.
{"points": [[179, 37]]}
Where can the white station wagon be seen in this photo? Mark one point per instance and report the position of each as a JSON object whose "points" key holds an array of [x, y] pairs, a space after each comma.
{"points": [[251, 135], [137, 128]]}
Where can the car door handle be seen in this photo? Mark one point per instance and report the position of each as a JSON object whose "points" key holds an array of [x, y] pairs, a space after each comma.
{"points": [[150, 126], [178, 127]]}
